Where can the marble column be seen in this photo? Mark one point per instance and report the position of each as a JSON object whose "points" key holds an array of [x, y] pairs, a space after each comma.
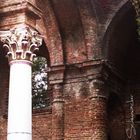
{"points": [[20, 44]]}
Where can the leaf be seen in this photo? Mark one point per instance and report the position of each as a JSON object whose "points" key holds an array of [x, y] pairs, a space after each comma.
{"points": [[39, 83]]}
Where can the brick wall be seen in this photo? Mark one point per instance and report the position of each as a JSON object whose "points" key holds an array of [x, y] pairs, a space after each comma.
{"points": [[78, 123], [69, 31], [3, 128], [42, 126]]}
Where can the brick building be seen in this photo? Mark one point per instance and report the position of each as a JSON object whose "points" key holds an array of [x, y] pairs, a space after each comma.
{"points": [[92, 50]]}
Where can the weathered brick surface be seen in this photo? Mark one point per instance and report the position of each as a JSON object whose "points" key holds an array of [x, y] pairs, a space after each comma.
{"points": [[73, 32], [99, 119], [78, 120], [42, 126], [3, 127], [57, 113], [50, 31]]}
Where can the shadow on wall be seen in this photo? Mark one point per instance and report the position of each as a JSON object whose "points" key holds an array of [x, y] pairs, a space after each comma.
{"points": [[4, 82], [116, 127]]}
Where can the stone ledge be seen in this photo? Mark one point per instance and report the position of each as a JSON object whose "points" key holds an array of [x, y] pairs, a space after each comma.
{"points": [[26, 7]]}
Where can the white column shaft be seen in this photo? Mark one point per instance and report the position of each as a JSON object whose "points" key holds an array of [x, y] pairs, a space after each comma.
{"points": [[20, 101]]}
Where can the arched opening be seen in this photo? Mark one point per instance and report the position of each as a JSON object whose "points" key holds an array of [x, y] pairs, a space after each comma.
{"points": [[39, 83], [121, 45], [122, 49], [41, 92]]}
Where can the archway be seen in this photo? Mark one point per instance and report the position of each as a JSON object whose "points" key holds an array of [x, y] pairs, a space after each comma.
{"points": [[41, 93], [121, 50], [120, 45]]}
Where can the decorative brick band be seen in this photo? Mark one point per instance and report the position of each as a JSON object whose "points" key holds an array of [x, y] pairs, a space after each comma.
{"points": [[58, 100]]}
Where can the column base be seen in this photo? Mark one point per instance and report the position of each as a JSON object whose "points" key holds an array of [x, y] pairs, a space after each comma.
{"points": [[19, 136]]}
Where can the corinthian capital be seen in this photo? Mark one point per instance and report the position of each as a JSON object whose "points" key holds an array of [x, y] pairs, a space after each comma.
{"points": [[21, 43]]}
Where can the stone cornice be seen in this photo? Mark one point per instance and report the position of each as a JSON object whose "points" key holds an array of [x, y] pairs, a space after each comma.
{"points": [[86, 63], [56, 74], [56, 68]]}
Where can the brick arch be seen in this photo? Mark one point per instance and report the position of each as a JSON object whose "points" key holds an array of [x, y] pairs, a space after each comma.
{"points": [[122, 8], [48, 27], [114, 11]]}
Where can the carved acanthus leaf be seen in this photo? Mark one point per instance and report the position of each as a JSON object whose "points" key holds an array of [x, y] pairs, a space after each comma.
{"points": [[21, 42]]}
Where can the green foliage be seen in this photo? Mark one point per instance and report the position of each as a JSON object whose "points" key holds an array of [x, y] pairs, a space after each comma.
{"points": [[136, 6], [138, 26], [39, 64], [39, 83]]}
